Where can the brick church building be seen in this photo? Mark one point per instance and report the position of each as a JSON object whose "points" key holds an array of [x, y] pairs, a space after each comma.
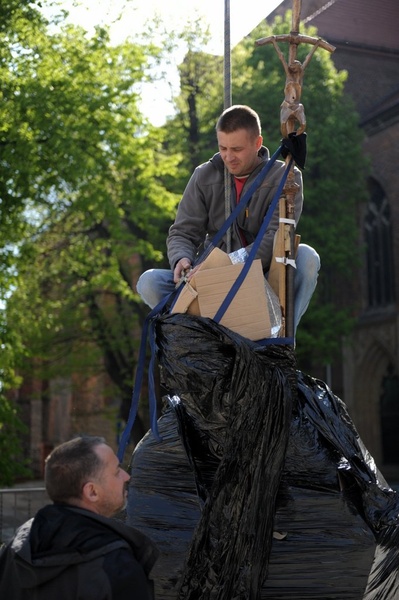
{"points": [[364, 33]]}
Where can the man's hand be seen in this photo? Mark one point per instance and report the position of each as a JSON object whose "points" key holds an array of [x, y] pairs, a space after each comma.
{"points": [[181, 269]]}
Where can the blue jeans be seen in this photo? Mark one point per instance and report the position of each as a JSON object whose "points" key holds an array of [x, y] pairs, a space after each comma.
{"points": [[155, 284]]}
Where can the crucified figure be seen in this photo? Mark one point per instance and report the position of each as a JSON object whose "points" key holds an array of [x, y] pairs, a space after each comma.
{"points": [[292, 111]]}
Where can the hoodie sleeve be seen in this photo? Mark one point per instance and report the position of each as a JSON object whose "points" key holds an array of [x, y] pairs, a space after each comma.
{"points": [[189, 229]]}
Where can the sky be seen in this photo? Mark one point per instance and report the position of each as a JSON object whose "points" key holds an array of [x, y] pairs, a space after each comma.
{"points": [[244, 15], [128, 17]]}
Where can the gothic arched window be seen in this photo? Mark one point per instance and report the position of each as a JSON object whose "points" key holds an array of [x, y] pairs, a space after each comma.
{"points": [[389, 412], [378, 238]]}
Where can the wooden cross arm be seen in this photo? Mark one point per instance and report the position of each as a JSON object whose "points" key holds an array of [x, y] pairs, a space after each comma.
{"points": [[296, 39]]}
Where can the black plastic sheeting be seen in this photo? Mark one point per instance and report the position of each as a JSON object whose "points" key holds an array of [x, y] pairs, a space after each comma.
{"points": [[261, 487]]}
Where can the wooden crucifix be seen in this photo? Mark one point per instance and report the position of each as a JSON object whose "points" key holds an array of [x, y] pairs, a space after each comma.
{"points": [[292, 121]]}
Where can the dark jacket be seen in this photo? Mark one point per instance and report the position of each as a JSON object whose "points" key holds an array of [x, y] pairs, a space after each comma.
{"points": [[201, 212], [68, 553]]}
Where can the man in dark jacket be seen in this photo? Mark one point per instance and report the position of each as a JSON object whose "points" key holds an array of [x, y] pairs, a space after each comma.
{"points": [[73, 549]]}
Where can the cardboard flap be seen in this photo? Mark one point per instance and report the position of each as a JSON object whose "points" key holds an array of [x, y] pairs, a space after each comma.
{"points": [[185, 300], [216, 258]]}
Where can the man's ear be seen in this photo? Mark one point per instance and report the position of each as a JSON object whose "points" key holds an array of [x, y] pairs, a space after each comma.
{"points": [[260, 142], [90, 492]]}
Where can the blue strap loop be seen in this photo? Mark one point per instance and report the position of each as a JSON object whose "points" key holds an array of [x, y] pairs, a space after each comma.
{"points": [[243, 273], [148, 331]]}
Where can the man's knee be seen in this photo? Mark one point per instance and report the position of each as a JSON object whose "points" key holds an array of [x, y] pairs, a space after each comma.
{"points": [[308, 259], [153, 285], [147, 288], [144, 282]]}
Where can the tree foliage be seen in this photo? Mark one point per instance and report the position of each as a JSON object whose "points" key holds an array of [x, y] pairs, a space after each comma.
{"points": [[191, 130], [83, 207], [12, 463]]}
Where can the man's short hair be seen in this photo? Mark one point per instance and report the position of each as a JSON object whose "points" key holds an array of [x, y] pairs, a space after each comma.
{"points": [[237, 117], [70, 465]]}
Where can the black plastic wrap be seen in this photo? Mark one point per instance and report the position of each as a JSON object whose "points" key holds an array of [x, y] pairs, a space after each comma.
{"points": [[261, 487]]}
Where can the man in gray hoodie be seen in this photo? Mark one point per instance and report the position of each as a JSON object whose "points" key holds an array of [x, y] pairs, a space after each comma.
{"points": [[201, 211], [74, 549]]}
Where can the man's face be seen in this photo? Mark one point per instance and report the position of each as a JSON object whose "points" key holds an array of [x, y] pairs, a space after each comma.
{"points": [[239, 151], [110, 483]]}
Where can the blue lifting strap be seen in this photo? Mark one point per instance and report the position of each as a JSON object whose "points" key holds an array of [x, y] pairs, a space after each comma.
{"points": [[148, 332], [236, 285]]}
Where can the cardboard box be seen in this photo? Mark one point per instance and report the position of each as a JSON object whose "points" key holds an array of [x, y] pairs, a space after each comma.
{"points": [[248, 312]]}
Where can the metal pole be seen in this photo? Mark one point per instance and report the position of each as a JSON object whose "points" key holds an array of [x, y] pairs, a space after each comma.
{"points": [[227, 56], [227, 104]]}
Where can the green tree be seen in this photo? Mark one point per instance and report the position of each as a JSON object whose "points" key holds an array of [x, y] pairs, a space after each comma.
{"points": [[12, 465], [190, 130], [83, 207]]}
